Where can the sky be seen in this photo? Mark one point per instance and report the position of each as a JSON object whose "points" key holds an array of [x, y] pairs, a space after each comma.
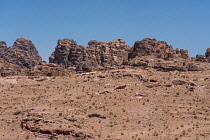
{"points": [[184, 24]]}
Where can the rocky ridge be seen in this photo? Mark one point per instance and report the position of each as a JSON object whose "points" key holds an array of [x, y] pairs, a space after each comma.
{"points": [[147, 53], [96, 55], [23, 58]]}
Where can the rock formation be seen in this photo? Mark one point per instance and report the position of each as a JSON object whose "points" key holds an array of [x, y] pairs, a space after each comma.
{"points": [[68, 54], [23, 59], [147, 46], [184, 53], [112, 53], [97, 54], [18, 58], [3, 45], [157, 49], [49, 69], [101, 55], [204, 58], [207, 54]]}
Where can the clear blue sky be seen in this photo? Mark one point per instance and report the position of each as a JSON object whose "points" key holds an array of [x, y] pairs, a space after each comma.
{"points": [[181, 23]]}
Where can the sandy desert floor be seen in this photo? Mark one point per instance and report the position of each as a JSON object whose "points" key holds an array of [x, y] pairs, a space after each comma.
{"points": [[120, 104]]}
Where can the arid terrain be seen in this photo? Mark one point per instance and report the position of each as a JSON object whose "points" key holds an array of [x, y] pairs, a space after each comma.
{"points": [[124, 103], [105, 91]]}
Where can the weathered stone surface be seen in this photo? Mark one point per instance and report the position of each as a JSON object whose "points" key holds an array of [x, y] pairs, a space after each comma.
{"points": [[69, 54], [201, 58], [40, 126], [22, 57], [207, 54], [193, 67], [23, 53], [184, 53], [49, 69], [3, 45], [204, 58], [112, 53], [139, 62], [147, 46], [169, 66], [18, 58]]}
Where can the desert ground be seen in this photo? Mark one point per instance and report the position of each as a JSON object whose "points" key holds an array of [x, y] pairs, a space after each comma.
{"points": [[116, 104]]}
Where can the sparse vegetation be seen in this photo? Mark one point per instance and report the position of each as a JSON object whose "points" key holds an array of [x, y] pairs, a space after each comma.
{"points": [[66, 102]]}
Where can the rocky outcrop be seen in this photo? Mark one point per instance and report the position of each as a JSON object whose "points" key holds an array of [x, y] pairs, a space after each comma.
{"points": [[112, 53], [49, 69], [201, 58], [204, 58], [22, 58], [3, 46], [51, 129], [68, 54], [157, 49], [18, 58], [207, 54], [96, 55], [184, 53], [147, 46], [23, 53], [102, 55], [178, 66]]}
